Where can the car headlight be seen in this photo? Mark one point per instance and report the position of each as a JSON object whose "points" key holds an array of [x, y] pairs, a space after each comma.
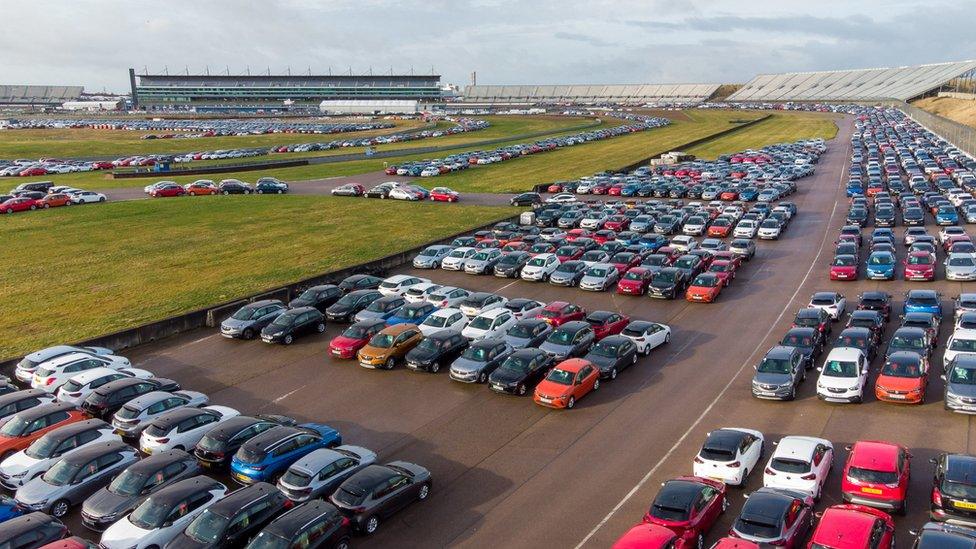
{"points": [[19, 475]]}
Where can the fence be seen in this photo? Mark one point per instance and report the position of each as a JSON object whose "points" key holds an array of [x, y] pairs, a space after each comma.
{"points": [[960, 135]]}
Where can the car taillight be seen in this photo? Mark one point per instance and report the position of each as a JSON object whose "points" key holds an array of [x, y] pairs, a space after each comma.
{"points": [[358, 509], [811, 476], [49, 381], [734, 464], [699, 460], [444, 303], [345, 521], [288, 504], [770, 471], [162, 440], [936, 497]]}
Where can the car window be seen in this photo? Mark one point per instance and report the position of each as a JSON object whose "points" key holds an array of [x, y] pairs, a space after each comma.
{"points": [[157, 407], [284, 448], [108, 460], [304, 440], [329, 470]]}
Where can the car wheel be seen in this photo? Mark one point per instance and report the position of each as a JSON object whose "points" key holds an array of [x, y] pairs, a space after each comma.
{"points": [[390, 363], [248, 334], [903, 510], [667, 338], [225, 192], [372, 525], [613, 373], [700, 542], [424, 492], [435, 367], [46, 205], [33, 207], [596, 384], [342, 544], [59, 508], [101, 199], [571, 402], [288, 339], [745, 475], [482, 377], [259, 191], [522, 389], [180, 448], [320, 327], [792, 395], [191, 193], [725, 504]]}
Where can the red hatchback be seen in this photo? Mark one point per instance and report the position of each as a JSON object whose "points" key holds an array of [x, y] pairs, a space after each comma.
{"points": [[635, 281], [606, 323], [443, 194], [558, 313], [843, 267], [920, 266], [18, 205], [724, 270], [876, 474], [854, 527], [689, 507], [355, 337], [648, 536]]}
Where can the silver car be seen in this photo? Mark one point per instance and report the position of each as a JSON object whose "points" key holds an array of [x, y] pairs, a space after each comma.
{"points": [[960, 266], [483, 261], [36, 459], [77, 475], [139, 412], [431, 257], [447, 296], [455, 260], [319, 473], [599, 277]]}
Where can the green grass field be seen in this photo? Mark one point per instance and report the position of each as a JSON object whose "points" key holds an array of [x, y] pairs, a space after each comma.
{"points": [[779, 128], [75, 273]]}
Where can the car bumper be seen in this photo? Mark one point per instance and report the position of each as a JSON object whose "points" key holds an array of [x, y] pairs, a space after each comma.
{"points": [[880, 276], [960, 276], [464, 377], [418, 367], [847, 396], [97, 524], [590, 287], [11, 482], [779, 393], [941, 514], [451, 267], [506, 389], [558, 402], [342, 353], [899, 397], [629, 290], [532, 276], [866, 499]]}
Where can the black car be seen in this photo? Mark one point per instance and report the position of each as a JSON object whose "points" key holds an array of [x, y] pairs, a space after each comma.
{"points": [[315, 524], [612, 354], [913, 217], [109, 398], [11, 403], [690, 264], [510, 265], [233, 186], [270, 185], [934, 535], [668, 283], [217, 448], [521, 371], [954, 489], [321, 297], [871, 320], [526, 199], [360, 282], [858, 338], [378, 491], [774, 515], [572, 339], [232, 521], [294, 323], [31, 531], [249, 320], [876, 301], [809, 341], [380, 191], [346, 307], [133, 485], [436, 350], [528, 333], [813, 317]]}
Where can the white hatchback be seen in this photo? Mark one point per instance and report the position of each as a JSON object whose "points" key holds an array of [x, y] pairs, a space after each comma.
{"points": [[443, 319], [800, 463], [182, 428], [729, 455], [843, 375], [76, 389], [54, 373], [540, 267], [493, 323]]}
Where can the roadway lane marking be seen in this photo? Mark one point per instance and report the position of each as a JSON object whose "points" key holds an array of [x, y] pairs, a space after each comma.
{"points": [[725, 389], [284, 396]]}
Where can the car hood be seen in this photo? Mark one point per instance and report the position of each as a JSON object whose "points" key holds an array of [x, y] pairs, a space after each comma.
{"points": [[602, 362], [768, 378], [551, 389], [338, 309], [20, 462], [592, 279], [506, 377], [517, 342], [838, 382], [558, 275], [37, 490], [465, 365], [374, 352], [557, 348], [961, 270], [958, 389], [300, 302], [123, 533], [475, 262], [104, 503], [236, 324], [899, 383], [342, 342]]}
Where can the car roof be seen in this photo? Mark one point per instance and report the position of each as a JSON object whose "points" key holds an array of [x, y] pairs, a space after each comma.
{"points": [[913, 331], [148, 399], [91, 451], [781, 351], [370, 477], [922, 293], [62, 360], [172, 417], [768, 504], [25, 523], [573, 364], [725, 439], [845, 522], [72, 429], [179, 491], [600, 315], [397, 329], [274, 435], [44, 409], [295, 520], [232, 503], [961, 468], [157, 461], [679, 493], [488, 343], [874, 455], [316, 459], [17, 396], [825, 295], [443, 334], [574, 326], [798, 447]]}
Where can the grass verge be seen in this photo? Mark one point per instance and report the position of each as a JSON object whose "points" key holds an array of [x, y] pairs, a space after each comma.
{"points": [[74, 273], [778, 128]]}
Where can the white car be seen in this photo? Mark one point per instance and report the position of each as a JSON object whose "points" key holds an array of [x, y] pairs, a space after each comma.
{"points": [[78, 387], [834, 303], [182, 428], [420, 292], [561, 198], [683, 243], [54, 373], [961, 342], [694, 226], [163, 515], [524, 308], [593, 220], [493, 323], [843, 376], [25, 369], [399, 284], [85, 197], [647, 335], [447, 296], [540, 267], [550, 234], [745, 229], [952, 230], [430, 172], [403, 193], [443, 319], [456, 259], [481, 302], [729, 455], [800, 463], [769, 229], [26, 465]]}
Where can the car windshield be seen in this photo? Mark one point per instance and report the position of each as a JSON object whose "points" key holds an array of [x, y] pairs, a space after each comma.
{"points": [[481, 256], [267, 540], [788, 465], [127, 412], [961, 261], [244, 313], [477, 354], [686, 262], [208, 527], [429, 252], [378, 306], [15, 427], [956, 489], [481, 323], [127, 483], [561, 377], [706, 281], [822, 301], [927, 301], [759, 527], [413, 312], [963, 376], [664, 278], [382, 341], [634, 275], [720, 267], [716, 454], [296, 478], [435, 321], [655, 261], [347, 300], [309, 295], [965, 345], [43, 447], [598, 272], [907, 342], [561, 337], [568, 268], [602, 348], [516, 364], [458, 253], [880, 259], [774, 366], [797, 341], [901, 367], [521, 330], [61, 473], [870, 475], [919, 260], [537, 262], [149, 515], [844, 261], [840, 368], [356, 332]]}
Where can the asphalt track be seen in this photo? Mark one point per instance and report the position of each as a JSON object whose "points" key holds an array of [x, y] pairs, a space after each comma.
{"points": [[508, 473]]}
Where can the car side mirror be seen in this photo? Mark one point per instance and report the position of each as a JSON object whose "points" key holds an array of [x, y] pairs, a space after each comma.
{"points": [[934, 461], [819, 368], [943, 377]]}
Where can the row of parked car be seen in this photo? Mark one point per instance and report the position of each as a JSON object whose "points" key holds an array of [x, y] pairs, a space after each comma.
{"points": [[203, 187], [874, 485], [455, 162], [514, 345], [42, 195], [461, 125], [398, 190], [920, 261], [78, 437]]}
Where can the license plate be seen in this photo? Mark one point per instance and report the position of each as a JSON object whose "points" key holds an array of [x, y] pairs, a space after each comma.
{"points": [[698, 297], [119, 432], [240, 477], [964, 504], [867, 490], [897, 397], [336, 352], [496, 386], [146, 450], [545, 400]]}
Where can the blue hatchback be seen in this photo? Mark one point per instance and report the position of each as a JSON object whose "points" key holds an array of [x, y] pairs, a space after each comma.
{"points": [[923, 301], [748, 194], [653, 242], [273, 451], [411, 313], [9, 508], [881, 266], [946, 215]]}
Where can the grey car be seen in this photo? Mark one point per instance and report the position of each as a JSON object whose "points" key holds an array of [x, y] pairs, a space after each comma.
{"points": [[599, 277], [572, 339], [383, 308], [248, 321], [960, 266], [480, 359], [569, 273], [139, 412], [483, 261], [779, 373], [743, 247], [319, 473], [431, 256], [528, 332], [136, 483], [960, 384], [75, 476]]}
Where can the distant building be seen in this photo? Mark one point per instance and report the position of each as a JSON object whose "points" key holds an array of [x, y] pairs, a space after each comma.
{"points": [[38, 96], [365, 106]]}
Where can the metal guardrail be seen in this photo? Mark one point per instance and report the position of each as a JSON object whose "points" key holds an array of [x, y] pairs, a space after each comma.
{"points": [[960, 135]]}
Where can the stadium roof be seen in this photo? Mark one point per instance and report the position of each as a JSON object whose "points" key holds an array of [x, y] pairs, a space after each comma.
{"points": [[38, 95], [852, 85], [618, 93]]}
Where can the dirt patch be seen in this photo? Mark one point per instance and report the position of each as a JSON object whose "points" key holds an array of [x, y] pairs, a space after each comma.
{"points": [[959, 110]]}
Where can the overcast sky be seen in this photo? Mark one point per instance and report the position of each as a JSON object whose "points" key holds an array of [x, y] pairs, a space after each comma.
{"points": [[93, 42]]}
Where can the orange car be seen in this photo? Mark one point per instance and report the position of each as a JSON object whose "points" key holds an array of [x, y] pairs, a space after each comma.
{"points": [[903, 379], [199, 187], [54, 200], [720, 228], [388, 346], [704, 288], [568, 382], [26, 426]]}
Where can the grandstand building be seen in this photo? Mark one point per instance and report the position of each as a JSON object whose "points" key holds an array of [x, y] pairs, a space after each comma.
{"points": [[38, 96], [620, 94], [283, 92]]}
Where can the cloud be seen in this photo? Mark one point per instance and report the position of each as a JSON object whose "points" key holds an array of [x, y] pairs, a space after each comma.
{"points": [[583, 38]]}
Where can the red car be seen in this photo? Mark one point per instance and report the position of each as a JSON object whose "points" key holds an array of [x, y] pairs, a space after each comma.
{"points": [[735, 543], [569, 253], [720, 228], [647, 536], [31, 172], [443, 194], [920, 266], [956, 238], [624, 261], [688, 506], [54, 200], [18, 205], [843, 267], [604, 235], [390, 170], [729, 195], [355, 337], [489, 243], [705, 288], [165, 191], [672, 253], [606, 323], [724, 270], [876, 474], [617, 223], [558, 313], [854, 527], [555, 188], [726, 255], [578, 233], [74, 542], [635, 281]]}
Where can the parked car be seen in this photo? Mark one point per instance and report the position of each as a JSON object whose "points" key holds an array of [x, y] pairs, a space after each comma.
{"points": [[233, 520], [31, 531], [135, 415], [182, 428], [320, 473], [857, 525], [876, 474], [729, 455], [293, 323], [321, 297], [801, 464], [268, 454], [436, 350], [479, 360], [566, 383], [350, 305], [36, 459], [389, 346], [248, 321], [108, 399], [218, 446], [775, 517], [377, 492]]}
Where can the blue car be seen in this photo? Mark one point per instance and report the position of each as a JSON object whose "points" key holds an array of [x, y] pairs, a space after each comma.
{"points": [[263, 457], [9, 508], [923, 301], [748, 194], [946, 215], [881, 266], [411, 313], [629, 190], [653, 242], [855, 190]]}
